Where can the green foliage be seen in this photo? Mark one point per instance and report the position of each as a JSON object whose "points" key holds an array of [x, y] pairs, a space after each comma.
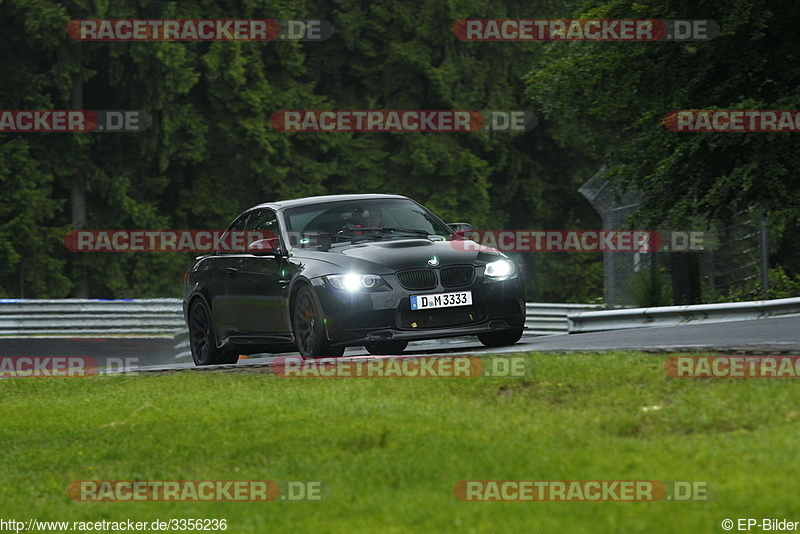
{"points": [[211, 151], [392, 449], [28, 241], [781, 286], [564, 277], [609, 99], [650, 289]]}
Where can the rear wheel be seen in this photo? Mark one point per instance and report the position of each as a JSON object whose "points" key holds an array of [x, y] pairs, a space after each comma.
{"points": [[500, 339], [202, 340], [308, 324], [386, 347]]}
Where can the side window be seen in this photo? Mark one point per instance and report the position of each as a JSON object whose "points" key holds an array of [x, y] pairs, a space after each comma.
{"points": [[262, 224], [227, 240]]}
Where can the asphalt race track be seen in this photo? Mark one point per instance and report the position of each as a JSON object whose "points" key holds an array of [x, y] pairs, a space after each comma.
{"points": [[763, 336]]}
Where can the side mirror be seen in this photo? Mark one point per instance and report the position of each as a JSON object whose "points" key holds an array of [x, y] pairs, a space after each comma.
{"points": [[459, 228], [265, 247]]}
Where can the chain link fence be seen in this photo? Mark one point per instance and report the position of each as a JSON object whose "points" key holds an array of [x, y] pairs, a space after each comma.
{"points": [[727, 268]]}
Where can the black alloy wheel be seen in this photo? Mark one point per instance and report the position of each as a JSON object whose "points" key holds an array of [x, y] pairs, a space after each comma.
{"points": [[202, 340], [308, 324]]}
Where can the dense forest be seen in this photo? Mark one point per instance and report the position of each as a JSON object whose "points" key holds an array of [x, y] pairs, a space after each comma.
{"points": [[211, 151]]}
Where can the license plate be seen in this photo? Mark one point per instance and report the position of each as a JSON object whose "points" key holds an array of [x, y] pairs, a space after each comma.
{"points": [[441, 300]]}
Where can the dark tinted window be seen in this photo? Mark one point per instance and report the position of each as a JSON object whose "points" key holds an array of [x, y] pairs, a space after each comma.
{"points": [[238, 226], [333, 217], [262, 224]]}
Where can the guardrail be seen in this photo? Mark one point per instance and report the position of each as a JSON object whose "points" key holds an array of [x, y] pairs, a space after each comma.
{"points": [[90, 318], [164, 317], [598, 321], [544, 319]]}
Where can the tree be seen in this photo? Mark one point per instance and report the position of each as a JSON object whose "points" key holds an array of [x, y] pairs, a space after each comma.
{"points": [[211, 151], [609, 100]]}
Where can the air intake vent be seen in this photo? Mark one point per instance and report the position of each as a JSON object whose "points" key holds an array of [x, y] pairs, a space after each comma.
{"points": [[417, 279], [457, 275], [440, 318]]}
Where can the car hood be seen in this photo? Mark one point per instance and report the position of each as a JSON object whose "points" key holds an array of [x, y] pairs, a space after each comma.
{"points": [[399, 254]]}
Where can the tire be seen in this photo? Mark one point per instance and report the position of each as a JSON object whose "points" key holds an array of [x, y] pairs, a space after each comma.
{"points": [[308, 325], [500, 339], [202, 340], [386, 347]]}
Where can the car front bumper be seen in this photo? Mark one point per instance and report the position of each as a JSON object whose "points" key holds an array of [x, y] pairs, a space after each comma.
{"points": [[374, 316]]}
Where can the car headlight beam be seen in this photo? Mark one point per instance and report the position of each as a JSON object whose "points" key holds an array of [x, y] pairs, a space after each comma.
{"points": [[355, 281], [500, 270]]}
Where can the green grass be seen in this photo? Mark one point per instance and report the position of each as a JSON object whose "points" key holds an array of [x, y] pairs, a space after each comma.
{"points": [[391, 449]]}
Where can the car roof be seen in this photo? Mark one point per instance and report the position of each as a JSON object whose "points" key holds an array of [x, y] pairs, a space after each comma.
{"points": [[307, 201]]}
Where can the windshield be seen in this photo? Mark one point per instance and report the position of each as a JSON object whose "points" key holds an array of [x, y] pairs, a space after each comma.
{"points": [[325, 225]]}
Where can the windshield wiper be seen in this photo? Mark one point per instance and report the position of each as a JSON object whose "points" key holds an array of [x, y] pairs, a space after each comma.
{"points": [[407, 230], [366, 237], [356, 234], [389, 229]]}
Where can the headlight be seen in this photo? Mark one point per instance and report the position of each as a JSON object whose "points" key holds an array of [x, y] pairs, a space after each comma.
{"points": [[357, 282], [500, 270]]}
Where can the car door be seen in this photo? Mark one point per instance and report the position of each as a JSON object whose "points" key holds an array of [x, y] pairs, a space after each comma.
{"points": [[224, 264], [255, 289]]}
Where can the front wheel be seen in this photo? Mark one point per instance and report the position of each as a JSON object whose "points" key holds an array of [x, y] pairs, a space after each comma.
{"points": [[308, 324], [500, 339], [386, 347], [202, 340]]}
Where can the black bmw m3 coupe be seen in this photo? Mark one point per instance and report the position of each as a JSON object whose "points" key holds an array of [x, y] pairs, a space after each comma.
{"points": [[323, 273]]}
